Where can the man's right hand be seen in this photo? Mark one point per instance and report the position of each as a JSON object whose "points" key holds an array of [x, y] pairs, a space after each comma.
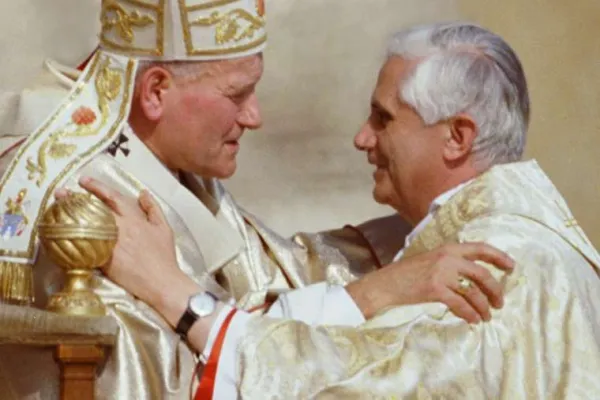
{"points": [[434, 277]]}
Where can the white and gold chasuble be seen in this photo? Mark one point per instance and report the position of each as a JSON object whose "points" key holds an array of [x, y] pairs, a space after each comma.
{"points": [[543, 344], [225, 249], [149, 360]]}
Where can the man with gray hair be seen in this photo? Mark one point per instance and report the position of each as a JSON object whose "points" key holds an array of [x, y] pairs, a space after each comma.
{"points": [[446, 132]]}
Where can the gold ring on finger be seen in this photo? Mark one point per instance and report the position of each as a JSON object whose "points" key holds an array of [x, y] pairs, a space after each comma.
{"points": [[464, 285]]}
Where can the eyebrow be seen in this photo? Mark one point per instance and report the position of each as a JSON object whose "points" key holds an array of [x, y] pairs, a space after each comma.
{"points": [[242, 88], [376, 104]]}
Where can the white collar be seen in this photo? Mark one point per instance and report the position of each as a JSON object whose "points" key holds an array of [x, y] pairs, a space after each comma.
{"points": [[433, 207]]}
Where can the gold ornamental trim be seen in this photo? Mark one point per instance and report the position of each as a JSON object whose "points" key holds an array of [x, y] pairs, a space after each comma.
{"points": [[16, 283], [108, 84], [211, 4], [226, 25], [114, 17], [107, 79], [55, 232]]}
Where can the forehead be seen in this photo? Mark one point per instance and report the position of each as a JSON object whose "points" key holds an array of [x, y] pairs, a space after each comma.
{"points": [[240, 71], [392, 74]]}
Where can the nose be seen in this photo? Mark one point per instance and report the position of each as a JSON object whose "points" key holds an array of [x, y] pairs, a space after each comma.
{"points": [[365, 139], [250, 116]]}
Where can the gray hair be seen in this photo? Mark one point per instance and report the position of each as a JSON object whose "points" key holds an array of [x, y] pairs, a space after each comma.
{"points": [[179, 69], [462, 67]]}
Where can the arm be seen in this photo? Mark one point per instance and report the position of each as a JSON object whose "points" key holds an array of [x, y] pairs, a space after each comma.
{"points": [[169, 295], [541, 344], [401, 283]]}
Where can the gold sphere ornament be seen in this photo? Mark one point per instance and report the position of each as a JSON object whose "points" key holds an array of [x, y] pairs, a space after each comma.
{"points": [[79, 233]]}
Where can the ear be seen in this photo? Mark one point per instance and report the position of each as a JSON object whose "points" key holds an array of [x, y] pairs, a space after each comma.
{"points": [[462, 131], [153, 87]]}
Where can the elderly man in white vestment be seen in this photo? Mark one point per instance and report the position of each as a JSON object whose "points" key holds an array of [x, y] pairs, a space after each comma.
{"points": [[449, 113], [161, 106]]}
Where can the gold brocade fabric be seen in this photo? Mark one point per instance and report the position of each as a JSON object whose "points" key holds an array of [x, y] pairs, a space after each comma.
{"points": [[214, 238], [149, 361], [223, 248], [543, 344], [364, 248]]}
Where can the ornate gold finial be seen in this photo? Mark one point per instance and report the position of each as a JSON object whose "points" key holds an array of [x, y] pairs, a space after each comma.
{"points": [[79, 233]]}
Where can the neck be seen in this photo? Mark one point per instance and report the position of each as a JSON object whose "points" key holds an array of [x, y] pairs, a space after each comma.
{"points": [[421, 199]]}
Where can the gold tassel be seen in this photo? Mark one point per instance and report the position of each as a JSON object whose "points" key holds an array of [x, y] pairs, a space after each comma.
{"points": [[16, 283]]}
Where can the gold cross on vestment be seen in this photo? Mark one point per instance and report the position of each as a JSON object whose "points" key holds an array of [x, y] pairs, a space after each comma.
{"points": [[571, 223]]}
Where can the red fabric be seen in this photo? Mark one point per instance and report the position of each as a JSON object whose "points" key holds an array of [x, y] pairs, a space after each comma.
{"points": [[265, 306], [209, 377], [84, 64], [11, 148]]}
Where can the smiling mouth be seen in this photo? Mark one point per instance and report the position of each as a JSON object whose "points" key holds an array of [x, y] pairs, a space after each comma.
{"points": [[232, 146]]}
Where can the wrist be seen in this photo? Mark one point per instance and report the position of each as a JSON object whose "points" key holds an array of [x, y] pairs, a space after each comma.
{"points": [[171, 298], [365, 299]]}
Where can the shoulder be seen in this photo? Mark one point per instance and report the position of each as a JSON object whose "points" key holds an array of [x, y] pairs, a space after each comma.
{"points": [[519, 236], [543, 258]]}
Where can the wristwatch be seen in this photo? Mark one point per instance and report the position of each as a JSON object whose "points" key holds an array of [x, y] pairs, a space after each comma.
{"points": [[200, 305]]}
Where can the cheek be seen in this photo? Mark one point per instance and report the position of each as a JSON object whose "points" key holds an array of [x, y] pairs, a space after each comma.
{"points": [[213, 114], [394, 147]]}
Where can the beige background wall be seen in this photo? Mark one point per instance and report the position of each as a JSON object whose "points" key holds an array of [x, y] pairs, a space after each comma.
{"points": [[301, 171], [559, 44], [321, 65]]}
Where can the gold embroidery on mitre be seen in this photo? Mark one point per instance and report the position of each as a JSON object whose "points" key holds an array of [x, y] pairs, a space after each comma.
{"points": [[125, 24], [230, 27], [108, 85], [211, 4]]}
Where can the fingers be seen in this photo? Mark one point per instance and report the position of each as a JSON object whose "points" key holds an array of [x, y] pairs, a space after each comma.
{"points": [[103, 192], [460, 307], [475, 295], [486, 253], [478, 301], [152, 209], [485, 282], [61, 193]]}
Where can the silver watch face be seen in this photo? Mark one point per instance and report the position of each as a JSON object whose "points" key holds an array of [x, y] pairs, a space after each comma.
{"points": [[202, 304]]}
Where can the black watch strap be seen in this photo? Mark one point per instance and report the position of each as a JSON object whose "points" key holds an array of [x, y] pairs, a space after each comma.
{"points": [[191, 314], [185, 323]]}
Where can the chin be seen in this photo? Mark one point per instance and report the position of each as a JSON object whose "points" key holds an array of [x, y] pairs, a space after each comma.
{"points": [[380, 196], [216, 170], [226, 171], [385, 193]]}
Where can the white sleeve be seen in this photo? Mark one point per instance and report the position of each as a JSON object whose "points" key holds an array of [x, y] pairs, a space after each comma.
{"points": [[319, 304]]}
